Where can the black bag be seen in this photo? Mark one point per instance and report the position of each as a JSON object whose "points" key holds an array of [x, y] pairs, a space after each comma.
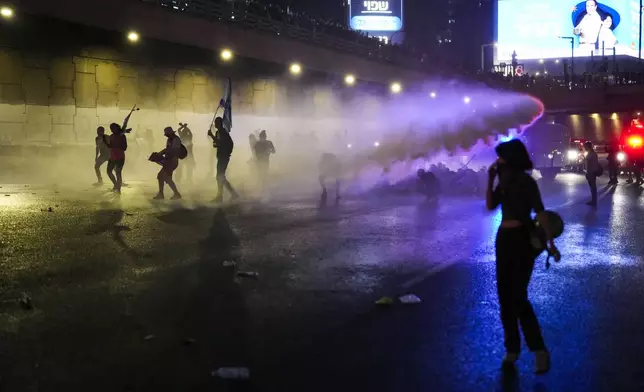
{"points": [[600, 171], [538, 234], [183, 152]]}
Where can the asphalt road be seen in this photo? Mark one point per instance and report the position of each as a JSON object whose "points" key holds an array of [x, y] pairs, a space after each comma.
{"points": [[132, 295]]}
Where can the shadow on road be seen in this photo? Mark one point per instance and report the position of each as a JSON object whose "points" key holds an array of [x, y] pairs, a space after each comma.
{"points": [[183, 216], [106, 220], [116, 330]]}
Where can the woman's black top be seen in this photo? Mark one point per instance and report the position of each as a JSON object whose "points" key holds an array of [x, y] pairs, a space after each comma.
{"points": [[518, 195]]}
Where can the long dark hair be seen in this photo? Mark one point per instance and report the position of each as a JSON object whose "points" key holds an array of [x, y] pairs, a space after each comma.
{"points": [[515, 155], [516, 161]]}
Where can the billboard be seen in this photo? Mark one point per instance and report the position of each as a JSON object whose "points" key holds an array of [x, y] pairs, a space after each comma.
{"points": [[545, 29], [378, 18]]}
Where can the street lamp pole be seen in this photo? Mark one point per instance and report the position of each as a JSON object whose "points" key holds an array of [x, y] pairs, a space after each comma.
{"points": [[572, 56], [483, 54]]}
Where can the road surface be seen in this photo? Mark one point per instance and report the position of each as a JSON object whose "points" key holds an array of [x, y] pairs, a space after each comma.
{"points": [[123, 294]]}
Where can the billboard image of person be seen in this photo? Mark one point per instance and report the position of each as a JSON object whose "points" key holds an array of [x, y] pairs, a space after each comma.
{"points": [[541, 30], [594, 24]]}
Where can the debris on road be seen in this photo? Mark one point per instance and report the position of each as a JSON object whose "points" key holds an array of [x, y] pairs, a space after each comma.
{"points": [[7, 195], [248, 274], [228, 263], [409, 299], [385, 301], [232, 373], [149, 337], [26, 302], [50, 209]]}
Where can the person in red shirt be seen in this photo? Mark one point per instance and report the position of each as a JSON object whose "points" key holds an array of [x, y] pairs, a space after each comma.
{"points": [[170, 155], [117, 143]]}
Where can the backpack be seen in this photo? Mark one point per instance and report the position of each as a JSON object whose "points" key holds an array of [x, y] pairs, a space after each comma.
{"points": [[183, 152]]}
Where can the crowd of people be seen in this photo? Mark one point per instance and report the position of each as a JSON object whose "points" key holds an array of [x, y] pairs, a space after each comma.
{"points": [[328, 27], [438, 180], [178, 156], [538, 81], [515, 191], [240, 9]]}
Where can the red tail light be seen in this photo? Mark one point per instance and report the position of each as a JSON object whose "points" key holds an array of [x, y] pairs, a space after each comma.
{"points": [[635, 141]]}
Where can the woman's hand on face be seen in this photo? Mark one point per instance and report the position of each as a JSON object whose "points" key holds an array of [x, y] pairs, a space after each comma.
{"points": [[493, 170]]}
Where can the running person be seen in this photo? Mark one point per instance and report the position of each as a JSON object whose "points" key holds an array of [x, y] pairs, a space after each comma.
{"points": [[102, 154], [518, 195], [170, 155]]}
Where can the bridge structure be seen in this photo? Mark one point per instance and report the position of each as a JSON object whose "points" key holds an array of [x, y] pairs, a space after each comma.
{"points": [[68, 66]]}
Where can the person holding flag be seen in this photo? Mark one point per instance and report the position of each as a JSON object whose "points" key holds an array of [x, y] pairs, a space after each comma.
{"points": [[224, 145]]}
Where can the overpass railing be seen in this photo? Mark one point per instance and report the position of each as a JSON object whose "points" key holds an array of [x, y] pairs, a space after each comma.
{"points": [[247, 17]]}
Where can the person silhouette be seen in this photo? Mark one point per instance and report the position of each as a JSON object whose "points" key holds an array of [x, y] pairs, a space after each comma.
{"points": [[224, 145]]}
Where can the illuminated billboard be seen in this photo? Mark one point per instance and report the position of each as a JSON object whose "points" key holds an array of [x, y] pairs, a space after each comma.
{"points": [[545, 29], [378, 18]]}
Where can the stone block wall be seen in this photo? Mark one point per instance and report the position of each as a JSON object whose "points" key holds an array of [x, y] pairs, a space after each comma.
{"points": [[61, 100]]}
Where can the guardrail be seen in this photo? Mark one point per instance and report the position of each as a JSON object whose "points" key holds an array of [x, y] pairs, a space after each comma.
{"points": [[245, 17]]}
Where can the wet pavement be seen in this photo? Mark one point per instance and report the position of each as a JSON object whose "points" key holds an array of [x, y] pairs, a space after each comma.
{"points": [[130, 295]]}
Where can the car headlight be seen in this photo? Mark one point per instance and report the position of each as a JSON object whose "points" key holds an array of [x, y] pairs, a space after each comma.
{"points": [[572, 155], [621, 157]]}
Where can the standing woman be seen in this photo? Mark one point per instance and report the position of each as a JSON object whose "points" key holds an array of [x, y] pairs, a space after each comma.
{"points": [[518, 195]]}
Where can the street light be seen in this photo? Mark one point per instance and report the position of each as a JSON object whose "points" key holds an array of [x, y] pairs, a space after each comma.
{"points": [[6, 12], [295, 69], [396, 88], [483, 53], [376, 144], [433, 94], [540, 61], [572, 58], [467, 100], [226, 55], [133, 36], [350, 80]]}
